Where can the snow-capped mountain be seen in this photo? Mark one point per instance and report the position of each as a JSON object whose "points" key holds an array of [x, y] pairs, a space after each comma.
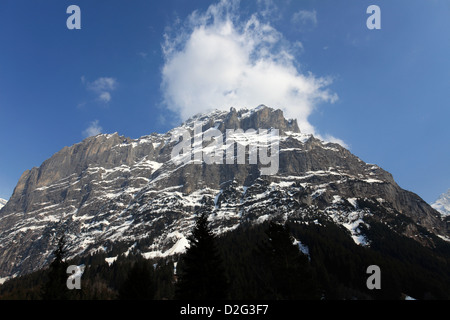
{"points": [[2, 203], [110, 193], [442, 204]]}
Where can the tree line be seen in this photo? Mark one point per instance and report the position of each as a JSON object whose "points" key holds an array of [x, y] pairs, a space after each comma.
{"points": [[255, 262]]}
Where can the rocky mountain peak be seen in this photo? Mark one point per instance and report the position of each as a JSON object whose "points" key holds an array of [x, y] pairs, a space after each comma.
{"points": [[261, 117], [109, 192], [442, 204]]}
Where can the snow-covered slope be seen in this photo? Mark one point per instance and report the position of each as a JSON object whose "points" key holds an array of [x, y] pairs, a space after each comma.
{"points": [[443, 204], [2, 203]]}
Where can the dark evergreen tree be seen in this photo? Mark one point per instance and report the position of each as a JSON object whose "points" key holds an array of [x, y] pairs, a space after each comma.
{"points": [[201, 272], [253, 263], [292, 275], [56, 286], [139, 284], [164, 279]]}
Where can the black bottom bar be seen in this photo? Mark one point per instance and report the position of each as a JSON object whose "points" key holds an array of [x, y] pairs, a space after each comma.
{"points": [[219, 309]]}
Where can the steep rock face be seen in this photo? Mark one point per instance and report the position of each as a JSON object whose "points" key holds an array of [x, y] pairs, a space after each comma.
{"points": [[105, 151], [110, 189]]}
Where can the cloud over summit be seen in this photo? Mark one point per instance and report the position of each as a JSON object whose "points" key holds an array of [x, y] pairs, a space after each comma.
{"points": [[217, 60], [93, 129]]}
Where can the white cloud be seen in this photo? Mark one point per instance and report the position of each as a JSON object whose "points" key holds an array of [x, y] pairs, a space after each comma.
{"points": [[102, 87], [330, 138], [305, 17], [93, 129], [216, 60], [105, 97], [143, 54], [268, 9]]}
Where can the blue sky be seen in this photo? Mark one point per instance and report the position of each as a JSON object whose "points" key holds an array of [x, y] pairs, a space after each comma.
{"points": [[138, 67]]}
